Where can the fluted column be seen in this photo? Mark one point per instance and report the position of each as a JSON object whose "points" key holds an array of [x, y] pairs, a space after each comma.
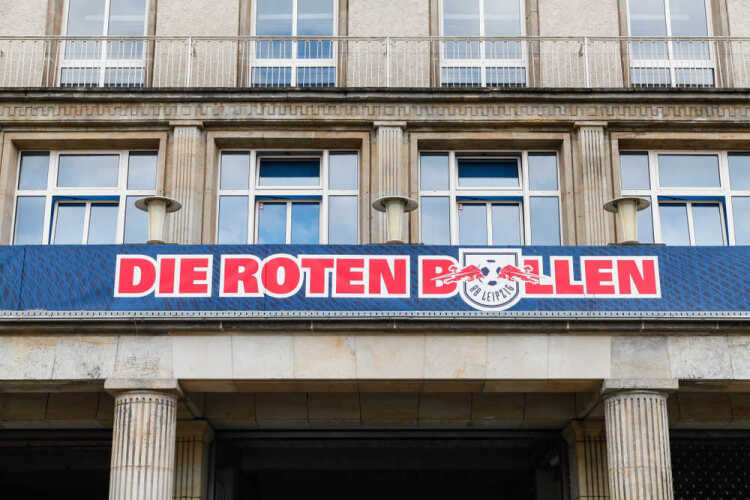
{"points": [[594, 180], [143, 445], [640, 466], [185, 181], [587, 448], [191, 460]]}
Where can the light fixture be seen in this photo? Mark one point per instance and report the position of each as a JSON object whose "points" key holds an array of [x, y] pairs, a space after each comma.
{"points": [[394, 207], [157, 207], [626, 211]]}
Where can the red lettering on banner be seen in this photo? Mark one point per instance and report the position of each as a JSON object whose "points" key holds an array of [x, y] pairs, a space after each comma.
{"points": [[281, 276], [599, 276], [135, 275], [167, 274], [389, 273], [431, 269], [316, 270], [195, 276], [350, 275], [563, 277], [239, 276], [535, 263], [644, 278]]}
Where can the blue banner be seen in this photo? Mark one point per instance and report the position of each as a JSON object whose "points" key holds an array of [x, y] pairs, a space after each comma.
{"points": [[237, 281]]}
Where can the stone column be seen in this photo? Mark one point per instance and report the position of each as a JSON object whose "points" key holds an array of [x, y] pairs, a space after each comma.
{"points": [[392, 195], [587, 449], [143, 445], [194, 439], [640, 466], [593, 178], [184, 181]]}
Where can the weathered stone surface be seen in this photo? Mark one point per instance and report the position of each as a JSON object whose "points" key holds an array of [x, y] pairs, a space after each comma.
{"points": [[497, 409], [199, 356], [144, 356], [231, 409], [333, 408], [27, 357], [84, 357], [704, 407], [192, 448], [700, 358], [279, 409], [587, 458], [256, 356], [72, 406], [324, 357], [739, 352], [389, 408], [640, 357], [518, 356], [23, 406], [579, 356], [455, 357], [390, 356], [445, 408]]}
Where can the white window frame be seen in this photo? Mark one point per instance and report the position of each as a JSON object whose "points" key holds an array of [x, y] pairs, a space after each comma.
{"points": [[657, 195], [85, 194], [483, 62], [672, 64], [321, 192], [288, 215], [689, 208], [86, 218], [103, 62], [488, 204], [293, 62], [522, 191]]}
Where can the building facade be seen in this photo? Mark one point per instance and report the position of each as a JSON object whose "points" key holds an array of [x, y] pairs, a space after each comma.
{"points": [[432, 126]]}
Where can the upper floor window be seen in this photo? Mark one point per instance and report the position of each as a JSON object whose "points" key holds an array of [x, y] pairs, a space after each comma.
{"points": [[286, 62], [696, 198], [83, 198], [489, 199], [660, 62], [113, 62], [288, 198], [491, 63]]}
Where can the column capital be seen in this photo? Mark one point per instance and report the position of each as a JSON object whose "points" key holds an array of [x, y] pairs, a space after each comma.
{"points": [[613, 387], [186, 123], [590, 124], [117, 386], [389, 123]]}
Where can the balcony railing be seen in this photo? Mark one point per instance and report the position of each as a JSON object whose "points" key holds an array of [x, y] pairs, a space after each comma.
{"points": [[367, 62]]}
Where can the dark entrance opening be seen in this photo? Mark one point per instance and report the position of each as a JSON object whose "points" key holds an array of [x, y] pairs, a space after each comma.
{"points": [[55, 464], [390, 465]]}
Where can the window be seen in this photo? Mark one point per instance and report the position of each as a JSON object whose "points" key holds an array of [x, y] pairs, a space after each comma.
{"points": [[476, 63], [659, 62], [286, 62], [80, 198], [288, 198], [489, 199], [108, 63], [696, 198]]}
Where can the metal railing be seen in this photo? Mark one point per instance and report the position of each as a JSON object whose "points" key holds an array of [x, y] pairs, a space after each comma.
{"points": [[386, 62]]}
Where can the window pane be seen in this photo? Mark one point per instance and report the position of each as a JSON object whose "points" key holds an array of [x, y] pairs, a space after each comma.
{"points": [[472, 224], [342, 220], [647, 18], [634, 171], [435, 222], [434, 172], [272, 77], [34, 167], [102, 224], [29, 220], [274, 19], [545, 221], [85, 17], [342, 172], [674, 224], [271, 223], [235, 171], [136, 222], [645, 224], [542, 171], [739, 171], [126, 18], [69, 224], [305, 223], [707, 224], [487, 173], [233, 219], [316, 76], [461, 18], [315, 18], [460, 76], [689, 171], [142, 171], [88, 171], [506, 224], [289, 173], [688, 17], [741, 207], [502, 17]]}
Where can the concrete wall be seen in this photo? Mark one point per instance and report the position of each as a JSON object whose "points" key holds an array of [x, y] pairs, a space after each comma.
{"points": [[26, 18], [389, 17]]}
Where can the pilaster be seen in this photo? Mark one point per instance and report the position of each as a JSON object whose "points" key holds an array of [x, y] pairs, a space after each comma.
{"points": [[587, 446], [594, 185], [640, 466], [185, 178], [192, 448]]}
